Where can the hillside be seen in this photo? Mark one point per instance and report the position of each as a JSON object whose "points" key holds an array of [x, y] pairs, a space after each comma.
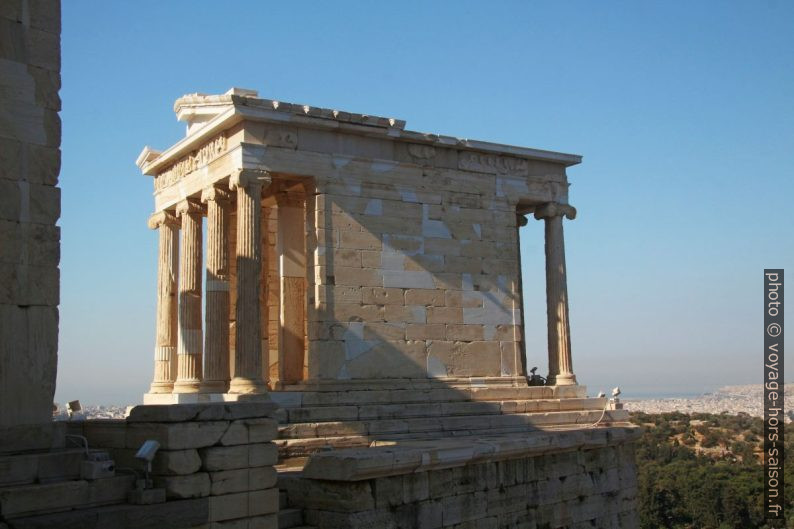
{"points": [[704, 471]]}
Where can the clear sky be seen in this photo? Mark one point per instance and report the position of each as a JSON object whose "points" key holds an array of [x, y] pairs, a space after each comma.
{"points": [[682, 111]]}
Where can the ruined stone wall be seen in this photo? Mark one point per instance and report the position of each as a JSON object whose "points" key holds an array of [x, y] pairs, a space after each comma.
{"points": [[578, 489], [219, 454], [416, 272], [30, 138]]}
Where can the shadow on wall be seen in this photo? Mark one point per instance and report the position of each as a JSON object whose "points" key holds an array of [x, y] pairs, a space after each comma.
{"points": [[414, 290]]}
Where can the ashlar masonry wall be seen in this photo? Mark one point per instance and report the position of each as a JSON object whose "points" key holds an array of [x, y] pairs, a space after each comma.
{"points": [[218, 459], [570, 480], [30, 158], [416, 268]]}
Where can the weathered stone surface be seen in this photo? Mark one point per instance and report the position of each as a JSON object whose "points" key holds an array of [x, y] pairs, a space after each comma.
{"points": [[228, 507], [106, 433], [263, 502], [176, 462], [41, 436], [246, 431], [241, 456], [414, 456], [44, 467], [242, 480], [548, 487], [221, 411], [177, 514], [185, 487], [29, 499], [176, 436], [30, 138], [331, 495], [30, 331]]}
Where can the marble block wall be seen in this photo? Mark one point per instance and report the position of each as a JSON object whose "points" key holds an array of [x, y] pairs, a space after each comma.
{"points": [[30, 138], [415, 274], [575, 483], [221, 454]]}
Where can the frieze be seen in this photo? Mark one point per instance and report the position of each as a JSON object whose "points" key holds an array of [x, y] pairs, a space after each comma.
{"points": [[491, 163], [195, 160], [424, 152]]}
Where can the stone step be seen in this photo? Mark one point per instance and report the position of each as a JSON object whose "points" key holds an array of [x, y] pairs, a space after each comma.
{"points": [[295, 448], [27, 500], [43, 467], [419, 456], [297, 399], [435, 409], [289, 518], [378, 427]]}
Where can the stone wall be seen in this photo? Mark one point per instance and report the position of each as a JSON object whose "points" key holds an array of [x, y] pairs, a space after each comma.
{"points": [[30, 137], [416, 272], [566, 481], [220, 454]]}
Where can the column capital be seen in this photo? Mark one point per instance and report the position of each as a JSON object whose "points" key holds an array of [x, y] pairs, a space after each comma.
{"points": [[189, 206], [216, 194], [162, 218], [555, 209], [247, 177]]}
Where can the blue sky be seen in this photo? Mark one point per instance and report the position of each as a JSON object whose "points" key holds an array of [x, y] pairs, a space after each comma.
{"points": [[682, 111]]}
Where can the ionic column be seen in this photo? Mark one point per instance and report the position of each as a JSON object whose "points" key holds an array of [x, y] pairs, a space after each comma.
{"points": [[560, 363], [165, 346], [189, 351], [248, 347], [216, 308]]}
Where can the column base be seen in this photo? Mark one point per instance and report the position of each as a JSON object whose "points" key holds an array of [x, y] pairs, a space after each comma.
{"points": [[247, 386], [187, 386], [565, 379], [161, 387], [195, 398], [214, 386]]}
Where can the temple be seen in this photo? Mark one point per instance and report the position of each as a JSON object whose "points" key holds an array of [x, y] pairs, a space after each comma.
{"points": [[366, 280], [342, 248]]}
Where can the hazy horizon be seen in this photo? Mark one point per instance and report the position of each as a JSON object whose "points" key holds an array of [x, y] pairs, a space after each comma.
{"points": [[682, 113]]}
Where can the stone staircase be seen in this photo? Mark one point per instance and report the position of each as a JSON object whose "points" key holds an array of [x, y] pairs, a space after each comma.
{"points": [[313, 421]]}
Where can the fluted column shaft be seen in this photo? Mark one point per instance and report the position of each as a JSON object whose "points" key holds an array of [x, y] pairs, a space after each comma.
{"points": [[190, 336], [166, 331], [559, 332], [216, 308], [248, 347]]}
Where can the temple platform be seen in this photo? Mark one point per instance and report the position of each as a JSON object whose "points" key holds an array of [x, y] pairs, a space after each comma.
{"points": [[572, 478], [317, 421]]}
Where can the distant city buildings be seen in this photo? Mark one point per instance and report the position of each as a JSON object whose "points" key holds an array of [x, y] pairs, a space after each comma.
{"points": [[747, 399]]}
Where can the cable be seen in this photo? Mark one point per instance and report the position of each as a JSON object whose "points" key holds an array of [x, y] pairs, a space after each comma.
{"points": [[81, 438], [603, 413]]}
